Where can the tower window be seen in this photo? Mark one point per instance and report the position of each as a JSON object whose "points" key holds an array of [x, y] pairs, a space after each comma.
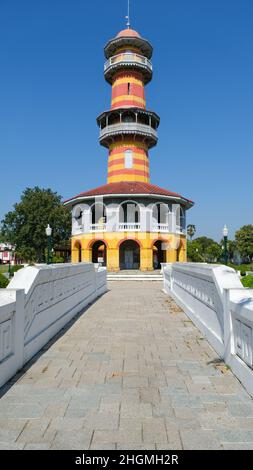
{"points": [[128, 159], [128, 88]]}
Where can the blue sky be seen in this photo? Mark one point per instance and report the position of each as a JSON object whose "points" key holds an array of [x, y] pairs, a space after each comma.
{"points": [[52, 89]]}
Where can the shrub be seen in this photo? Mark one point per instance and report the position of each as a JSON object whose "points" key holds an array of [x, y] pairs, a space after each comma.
{"points": [[247, 281], [3, 281], [58, 259], [16, 267]]}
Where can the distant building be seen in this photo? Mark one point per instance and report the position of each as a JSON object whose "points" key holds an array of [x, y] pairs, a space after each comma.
{"points": [[7, 253]]}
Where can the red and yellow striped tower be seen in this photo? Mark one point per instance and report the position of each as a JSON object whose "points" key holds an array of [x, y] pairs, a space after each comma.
{"points": [[128, 129]]}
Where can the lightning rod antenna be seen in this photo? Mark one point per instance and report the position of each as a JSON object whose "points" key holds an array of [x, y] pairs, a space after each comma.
{"points": [[128, 14]]}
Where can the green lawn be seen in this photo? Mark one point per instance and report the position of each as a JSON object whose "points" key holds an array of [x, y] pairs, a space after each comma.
{"points": [[4, 268]]}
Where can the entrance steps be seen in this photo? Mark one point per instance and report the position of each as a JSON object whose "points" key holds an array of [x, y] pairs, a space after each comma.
{"points": [[134, 275]]}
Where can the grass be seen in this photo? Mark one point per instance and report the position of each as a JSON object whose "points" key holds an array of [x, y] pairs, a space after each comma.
{"points": [[247, 281], [4, 268], [242, 267]]}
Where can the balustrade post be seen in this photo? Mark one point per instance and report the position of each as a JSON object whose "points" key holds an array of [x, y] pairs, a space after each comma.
{"points": [[228, 335]]}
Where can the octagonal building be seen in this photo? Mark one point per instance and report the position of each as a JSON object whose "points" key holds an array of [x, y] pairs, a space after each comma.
{"points": [[128, 223]]}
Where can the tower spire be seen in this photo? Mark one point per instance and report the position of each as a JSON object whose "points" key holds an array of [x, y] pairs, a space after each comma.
{"points": [[128, 14]]}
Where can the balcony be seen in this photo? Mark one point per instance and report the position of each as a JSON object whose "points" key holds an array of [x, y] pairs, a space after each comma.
{"points": [[163, 228], [98, 227], [129, 227], [146, 131], [180, 230], [126, 60]]}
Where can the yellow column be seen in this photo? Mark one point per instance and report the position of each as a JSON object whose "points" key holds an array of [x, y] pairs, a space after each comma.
{"points": [[182, 251], [74, 255], [75, 251], [171, 255], [87, 255], [146, 259], [112, 256]]}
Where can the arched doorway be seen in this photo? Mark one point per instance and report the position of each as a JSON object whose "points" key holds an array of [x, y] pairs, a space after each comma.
{"points": [[129, 255], [99, 252], [159, 255]]}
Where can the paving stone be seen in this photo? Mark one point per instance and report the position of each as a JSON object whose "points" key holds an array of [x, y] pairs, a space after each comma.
{"points": [[237, 446], [242, 409], [95, 445], [21, 411], [38, 446], [144, 446], [69, 440], [132, 373], [11, 446], [154, 430], [235, 435], [126, 436], [200, 440]]}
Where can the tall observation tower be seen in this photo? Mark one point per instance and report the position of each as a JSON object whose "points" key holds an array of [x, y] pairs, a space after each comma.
{"points": [[128, 129], [128, 223]]}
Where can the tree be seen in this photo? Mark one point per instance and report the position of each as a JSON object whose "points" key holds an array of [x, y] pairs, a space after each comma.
{"points": [[244, 242], [194, 252], [203, 249], [213, 253], [25, 225], [191, 230], [2, 238]]}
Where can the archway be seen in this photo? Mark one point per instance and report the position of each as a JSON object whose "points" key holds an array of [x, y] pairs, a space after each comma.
{"points": [[129, 255], [129, 215], [159, 255], [98, 216], [99, 252]]}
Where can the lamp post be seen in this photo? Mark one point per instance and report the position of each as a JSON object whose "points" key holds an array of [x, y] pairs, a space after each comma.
{"points": [[49, 243], [225, 235], [9, 267]]}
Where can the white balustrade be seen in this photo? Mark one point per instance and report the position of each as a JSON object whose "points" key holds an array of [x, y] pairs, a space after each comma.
{"points": [[40, 300], [215, 300], [98, 227], [160, 228], [130, 227]]}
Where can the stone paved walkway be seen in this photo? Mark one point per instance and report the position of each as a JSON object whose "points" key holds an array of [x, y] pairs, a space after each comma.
{"points": [[131, 373]]}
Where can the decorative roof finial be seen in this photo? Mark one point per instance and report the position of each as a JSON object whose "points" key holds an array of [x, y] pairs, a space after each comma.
{"points": [[128, 14]]}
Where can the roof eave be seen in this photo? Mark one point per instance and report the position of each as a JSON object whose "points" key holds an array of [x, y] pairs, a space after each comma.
{"points": [[186, 202]]}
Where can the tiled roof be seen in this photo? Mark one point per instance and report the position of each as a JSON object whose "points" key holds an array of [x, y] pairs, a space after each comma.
{"points": [[127, 187], [128, 33]]}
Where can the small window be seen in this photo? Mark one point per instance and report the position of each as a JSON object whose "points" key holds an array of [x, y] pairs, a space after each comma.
{"points": [[128, 88], [128, 159]]}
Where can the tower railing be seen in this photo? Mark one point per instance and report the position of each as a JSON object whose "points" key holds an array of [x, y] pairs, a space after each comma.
{"points": [[128, 127], [128, 58]]}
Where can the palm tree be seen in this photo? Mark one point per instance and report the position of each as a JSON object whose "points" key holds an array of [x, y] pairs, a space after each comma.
{"points": [[191, 230]]}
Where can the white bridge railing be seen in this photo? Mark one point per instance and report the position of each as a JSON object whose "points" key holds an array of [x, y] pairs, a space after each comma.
{"points": [[39, 302], [213, 297]]}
